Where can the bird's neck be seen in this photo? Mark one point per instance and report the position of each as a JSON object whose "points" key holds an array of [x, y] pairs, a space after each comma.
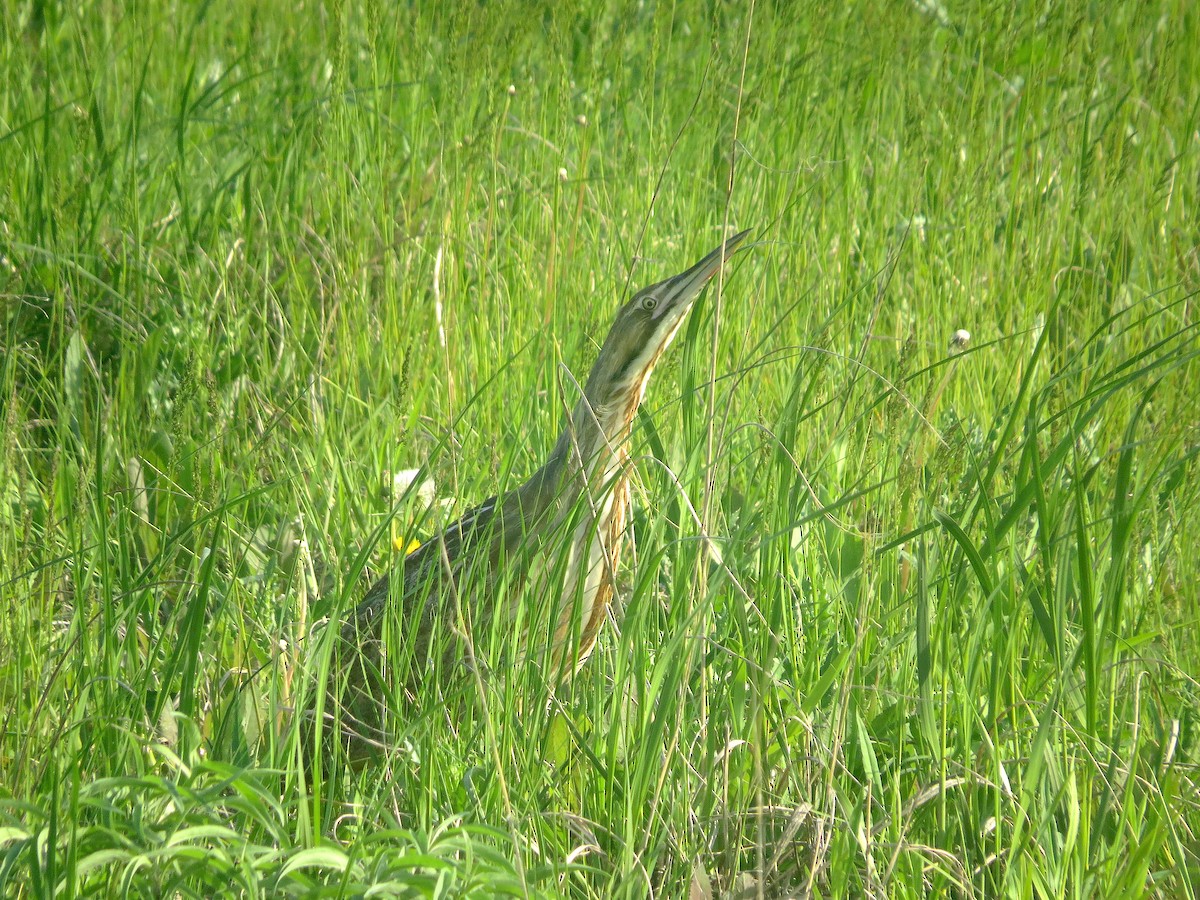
{"points": [[593, 440], [590, 452]]}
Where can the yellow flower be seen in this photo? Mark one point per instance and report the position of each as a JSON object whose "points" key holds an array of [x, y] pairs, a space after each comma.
{"points": [[405, 545]]}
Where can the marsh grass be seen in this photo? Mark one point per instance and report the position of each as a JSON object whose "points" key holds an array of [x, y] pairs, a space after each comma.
{"points": [[904, 619]]}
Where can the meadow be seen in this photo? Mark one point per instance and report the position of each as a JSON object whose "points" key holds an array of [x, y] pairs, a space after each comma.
{"points": [[913, 609]]}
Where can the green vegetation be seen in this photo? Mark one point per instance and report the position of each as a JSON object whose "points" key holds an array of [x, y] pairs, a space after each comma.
{"points": [[257, 258]]}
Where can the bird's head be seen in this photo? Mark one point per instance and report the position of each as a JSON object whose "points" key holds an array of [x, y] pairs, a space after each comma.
{"points": [[644, 328]]}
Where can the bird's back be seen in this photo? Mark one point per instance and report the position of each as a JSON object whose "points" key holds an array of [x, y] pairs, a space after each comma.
{"points": [[467, 569]]}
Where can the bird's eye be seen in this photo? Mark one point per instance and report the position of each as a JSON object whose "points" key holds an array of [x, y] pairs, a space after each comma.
{"points": [[648, 303]]}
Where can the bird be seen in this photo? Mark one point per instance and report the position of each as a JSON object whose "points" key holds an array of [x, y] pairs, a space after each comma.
{"points": [[557, 538]]}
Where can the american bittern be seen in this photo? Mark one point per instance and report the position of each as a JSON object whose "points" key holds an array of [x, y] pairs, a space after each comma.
{"points": [[556, 538]]}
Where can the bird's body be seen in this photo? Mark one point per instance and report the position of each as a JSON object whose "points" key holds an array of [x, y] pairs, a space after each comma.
{"points": [[556, 539]]}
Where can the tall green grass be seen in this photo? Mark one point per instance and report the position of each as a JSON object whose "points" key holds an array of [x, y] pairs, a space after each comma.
{"points": [[904, 618]]}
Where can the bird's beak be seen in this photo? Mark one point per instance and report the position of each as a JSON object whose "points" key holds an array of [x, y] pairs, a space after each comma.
{"points": [[681, 290]]}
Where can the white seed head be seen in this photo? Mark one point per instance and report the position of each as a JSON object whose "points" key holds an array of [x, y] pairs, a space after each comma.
{"points": [[403, 480]]}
